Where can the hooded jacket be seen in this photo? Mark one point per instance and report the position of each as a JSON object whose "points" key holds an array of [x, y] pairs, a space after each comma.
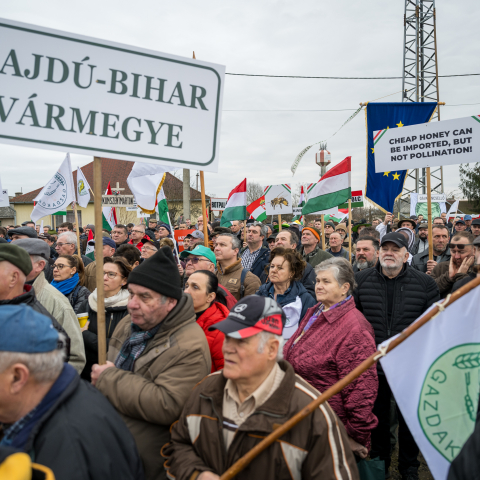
{"points": [[58, 305], [82, 437], [115, 310], [29, 298], [295, 291], [151, 398], [316, 448], [215, 313]]}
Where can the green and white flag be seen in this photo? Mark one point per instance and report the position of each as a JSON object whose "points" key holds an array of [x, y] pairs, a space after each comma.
{"points": [[435, 379], [57, 194], [162, 207], [83, 189]]}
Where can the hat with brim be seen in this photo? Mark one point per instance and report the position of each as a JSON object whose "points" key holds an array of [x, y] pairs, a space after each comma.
{"points": [[26, 231], [423, 225], [355, 227], [150, 242], [460, 221], [252, 315], [200, 251], [35, 246], [407, 220]]}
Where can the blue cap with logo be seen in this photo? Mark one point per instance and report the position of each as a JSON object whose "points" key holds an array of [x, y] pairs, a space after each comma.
{"points": [[26, 331]]}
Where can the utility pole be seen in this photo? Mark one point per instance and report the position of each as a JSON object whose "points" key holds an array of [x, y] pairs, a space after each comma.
{"points": [[420, 83]]}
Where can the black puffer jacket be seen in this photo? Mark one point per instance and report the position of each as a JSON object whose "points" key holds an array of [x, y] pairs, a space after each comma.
{"points": [[414, 292], [308, 279], [113, 315], [28, 298]]}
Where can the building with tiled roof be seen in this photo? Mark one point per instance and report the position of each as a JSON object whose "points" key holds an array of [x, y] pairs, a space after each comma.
{"points": [[116, 172]]}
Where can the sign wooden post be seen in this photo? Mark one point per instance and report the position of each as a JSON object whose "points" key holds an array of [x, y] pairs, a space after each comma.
{"points": [[101, 330], [79, 250], [350, 230], [429, 216], [279, 223], [204, 209], [322, 218]]}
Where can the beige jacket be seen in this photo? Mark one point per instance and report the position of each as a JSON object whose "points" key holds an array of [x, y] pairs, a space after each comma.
{"points": [[230, 279], [57, 305], [151, 398]]}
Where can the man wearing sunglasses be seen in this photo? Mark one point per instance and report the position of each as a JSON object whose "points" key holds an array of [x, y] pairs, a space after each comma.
{"points": [[200, 258], [475, 271], [461, 261]]}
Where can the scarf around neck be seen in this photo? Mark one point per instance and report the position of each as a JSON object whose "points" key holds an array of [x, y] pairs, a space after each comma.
{"points": [[66, 286], [118, 300]]}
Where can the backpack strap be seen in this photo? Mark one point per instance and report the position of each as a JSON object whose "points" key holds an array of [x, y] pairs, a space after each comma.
{"points": [[242, 282]]}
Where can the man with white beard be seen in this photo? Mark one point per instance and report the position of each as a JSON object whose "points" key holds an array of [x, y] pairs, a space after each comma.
{"points": [[366, 255], [392, 295]]}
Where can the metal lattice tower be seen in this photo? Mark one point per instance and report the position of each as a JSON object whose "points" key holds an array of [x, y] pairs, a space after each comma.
{"points": [[420, 82]]}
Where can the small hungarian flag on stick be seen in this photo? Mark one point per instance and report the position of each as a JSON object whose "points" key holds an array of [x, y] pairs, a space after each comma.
{"points": [[109, 214], [90, 248], [257, 209], [236, 208], [299, 218], [333, 189]]}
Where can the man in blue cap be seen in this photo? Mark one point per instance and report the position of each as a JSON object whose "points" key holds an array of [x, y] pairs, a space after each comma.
{"points": [[49, 413]]}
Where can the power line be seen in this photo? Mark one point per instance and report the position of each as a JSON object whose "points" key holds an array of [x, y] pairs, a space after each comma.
{"points": [[342, 78], [340, 110]]}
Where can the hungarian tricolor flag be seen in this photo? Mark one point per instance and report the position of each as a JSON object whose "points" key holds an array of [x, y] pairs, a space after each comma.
{"points": [[333, 189], [162, 207], [299, 218], [109, 214], [236, 208], [257, 209], [90, 248], [342, 213]]}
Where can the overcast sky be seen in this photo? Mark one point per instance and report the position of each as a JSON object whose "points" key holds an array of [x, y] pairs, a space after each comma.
{"points": [[303, 37]]}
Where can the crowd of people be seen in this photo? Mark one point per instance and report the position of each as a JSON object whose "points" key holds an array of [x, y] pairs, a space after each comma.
{"points": [[212, 348]]}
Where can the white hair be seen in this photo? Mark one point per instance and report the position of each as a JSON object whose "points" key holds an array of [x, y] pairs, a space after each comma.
{"points": [[263, 339], [70, 237], [37, 258], [43, 367]]}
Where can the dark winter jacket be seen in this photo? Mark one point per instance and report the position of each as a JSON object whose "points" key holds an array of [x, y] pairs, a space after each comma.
{"points": [[82, 437], [77, 296], [416, 246], [413, 293], [316, 256], [463, 281], [315, 449], [441, 275], [308, 279], [419, 261], [258, 265], [337, 342], [28, 298], [113, 315], [295, 290]]}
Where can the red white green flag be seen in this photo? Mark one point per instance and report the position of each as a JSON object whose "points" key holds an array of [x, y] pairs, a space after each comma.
{"points": [[333, 189], [236, 208], [89, 251], [109, 216], [299, 218], [257, 209]]}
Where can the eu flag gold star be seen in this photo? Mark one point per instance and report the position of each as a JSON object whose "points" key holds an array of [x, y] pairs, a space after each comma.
{"points": [[386, 174], [400, 124], [373, 150], [396, 176]]}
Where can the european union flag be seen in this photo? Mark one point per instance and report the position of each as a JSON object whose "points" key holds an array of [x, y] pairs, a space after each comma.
{"points": [[384, 188]]}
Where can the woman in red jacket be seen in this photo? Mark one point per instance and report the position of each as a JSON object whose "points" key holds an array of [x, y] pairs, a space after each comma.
{"points": [[202, 286], [331, 340]]}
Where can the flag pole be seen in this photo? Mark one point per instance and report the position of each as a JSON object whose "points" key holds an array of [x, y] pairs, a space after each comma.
{"points": [[74, 206], [101, 330], [429, 216], [322, 218], [204, 209], [240, 464], [279, 223], [350, 230]]}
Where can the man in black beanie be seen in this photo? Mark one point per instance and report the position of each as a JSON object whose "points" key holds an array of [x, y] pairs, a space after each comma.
{"points": [[156, 355]]}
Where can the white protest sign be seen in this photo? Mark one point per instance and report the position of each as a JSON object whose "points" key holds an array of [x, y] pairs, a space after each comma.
{"points": [[427, 145], [67, 92], [297, 210], [4, 200], [278, 199], [218, 204]]}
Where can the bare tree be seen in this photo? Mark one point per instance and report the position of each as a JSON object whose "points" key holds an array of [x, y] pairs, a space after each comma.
{"points": [[254, 191]]}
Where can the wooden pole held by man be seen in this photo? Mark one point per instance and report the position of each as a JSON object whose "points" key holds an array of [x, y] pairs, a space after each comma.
{"points": [[77, 229], [279, 223], [204, 210], [102, 333], [322, 218], [429, 215]]}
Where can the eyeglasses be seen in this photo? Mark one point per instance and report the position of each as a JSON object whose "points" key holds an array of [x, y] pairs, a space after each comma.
{"points": [[195, 260], [59, 266], [458, 246], [112, 275], [148, 248], [60, 244], [137, 231]]}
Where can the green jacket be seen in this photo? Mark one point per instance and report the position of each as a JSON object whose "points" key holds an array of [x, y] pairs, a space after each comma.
{"points": [[316, 257]]}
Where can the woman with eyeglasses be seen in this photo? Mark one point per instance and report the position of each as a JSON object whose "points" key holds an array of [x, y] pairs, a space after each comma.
{"points": [[202, 286], [286, 267], [68, 275], [115, 277]]}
